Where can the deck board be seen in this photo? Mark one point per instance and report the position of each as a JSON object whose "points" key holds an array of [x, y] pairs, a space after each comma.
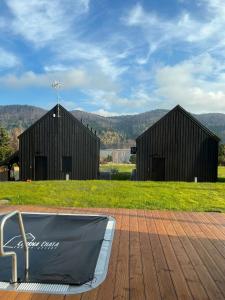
{"points": [[167, 289], [151, 284], [106, 290], [196, 288], [73, 297], [207, 254], [155, 255], [24, 296], [121, 288], [179, 281], [215, 235], [137, 290], [203, 274]]}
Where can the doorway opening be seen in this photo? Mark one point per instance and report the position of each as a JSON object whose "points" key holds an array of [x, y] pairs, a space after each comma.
{"points": [[40, 168], [158, 169]]}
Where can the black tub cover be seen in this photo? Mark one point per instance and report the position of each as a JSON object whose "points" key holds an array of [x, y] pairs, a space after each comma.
{"points": [[63, 248]]}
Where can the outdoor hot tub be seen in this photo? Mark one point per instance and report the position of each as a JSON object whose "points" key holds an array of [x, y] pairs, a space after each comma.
{"points": [[66, 253]]}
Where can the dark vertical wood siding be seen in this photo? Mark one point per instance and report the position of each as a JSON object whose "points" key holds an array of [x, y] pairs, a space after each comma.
{"points": [[189, 149], [54, 138]]}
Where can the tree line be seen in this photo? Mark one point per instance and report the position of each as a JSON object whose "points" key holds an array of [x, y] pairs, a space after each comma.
{"points": [[221, 155], [8, 142]]}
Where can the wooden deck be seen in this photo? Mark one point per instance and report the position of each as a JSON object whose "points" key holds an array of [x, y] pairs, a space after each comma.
{"points": [[156, 255]]}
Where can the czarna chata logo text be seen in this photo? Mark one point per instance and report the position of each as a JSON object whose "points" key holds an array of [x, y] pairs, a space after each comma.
{"points": [[17, 243]]}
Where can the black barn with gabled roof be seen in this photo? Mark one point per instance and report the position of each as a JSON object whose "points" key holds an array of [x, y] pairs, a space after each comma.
{"points": [[177, 148], [56, 145]]}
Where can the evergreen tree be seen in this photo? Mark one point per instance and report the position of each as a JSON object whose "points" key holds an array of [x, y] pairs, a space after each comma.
{"points": [[221, 158], [5, 149], [132, 159]]}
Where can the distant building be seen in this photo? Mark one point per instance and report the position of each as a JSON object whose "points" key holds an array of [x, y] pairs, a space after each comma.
{"points": [[119, 156], [177, 148], [104, 153], [57, 146]]}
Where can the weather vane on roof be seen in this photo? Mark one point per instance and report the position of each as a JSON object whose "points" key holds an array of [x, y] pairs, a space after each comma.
{"points": [[56, 85]]}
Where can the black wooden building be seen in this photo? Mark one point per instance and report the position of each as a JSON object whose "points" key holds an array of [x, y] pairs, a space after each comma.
{"points": [[177, 148], [58, 146]]}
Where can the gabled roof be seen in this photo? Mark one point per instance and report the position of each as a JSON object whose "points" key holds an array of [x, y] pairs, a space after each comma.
{"points": [[189, 116], [67, 113]]}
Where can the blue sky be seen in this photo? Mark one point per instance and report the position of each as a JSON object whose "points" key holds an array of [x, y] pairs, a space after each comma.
{"points": [[114, 57]]}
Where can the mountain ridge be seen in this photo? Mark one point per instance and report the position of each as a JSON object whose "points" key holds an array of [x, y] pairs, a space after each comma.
{"points": [[115, 131]]}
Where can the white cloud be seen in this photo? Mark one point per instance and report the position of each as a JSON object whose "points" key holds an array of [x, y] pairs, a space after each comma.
{"points": [[197, 84], [109, 101], [91, 55], [105, 113], [58, 26], [57, 68], [203, 33], [41, 21], [105, 69], [72, 78], [69, 105], [8, 59]]}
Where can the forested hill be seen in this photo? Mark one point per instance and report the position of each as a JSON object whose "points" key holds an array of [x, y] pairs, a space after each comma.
{"points": [[118, 131]]}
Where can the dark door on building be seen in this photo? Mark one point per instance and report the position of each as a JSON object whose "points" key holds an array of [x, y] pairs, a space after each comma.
{"points": [[158, 169], [40, 168]]}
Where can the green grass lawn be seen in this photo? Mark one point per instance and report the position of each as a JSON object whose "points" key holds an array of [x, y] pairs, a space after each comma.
{"points": [[130, 167], [221, 174], [119, 167], [127, 194], [118, 171]]}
